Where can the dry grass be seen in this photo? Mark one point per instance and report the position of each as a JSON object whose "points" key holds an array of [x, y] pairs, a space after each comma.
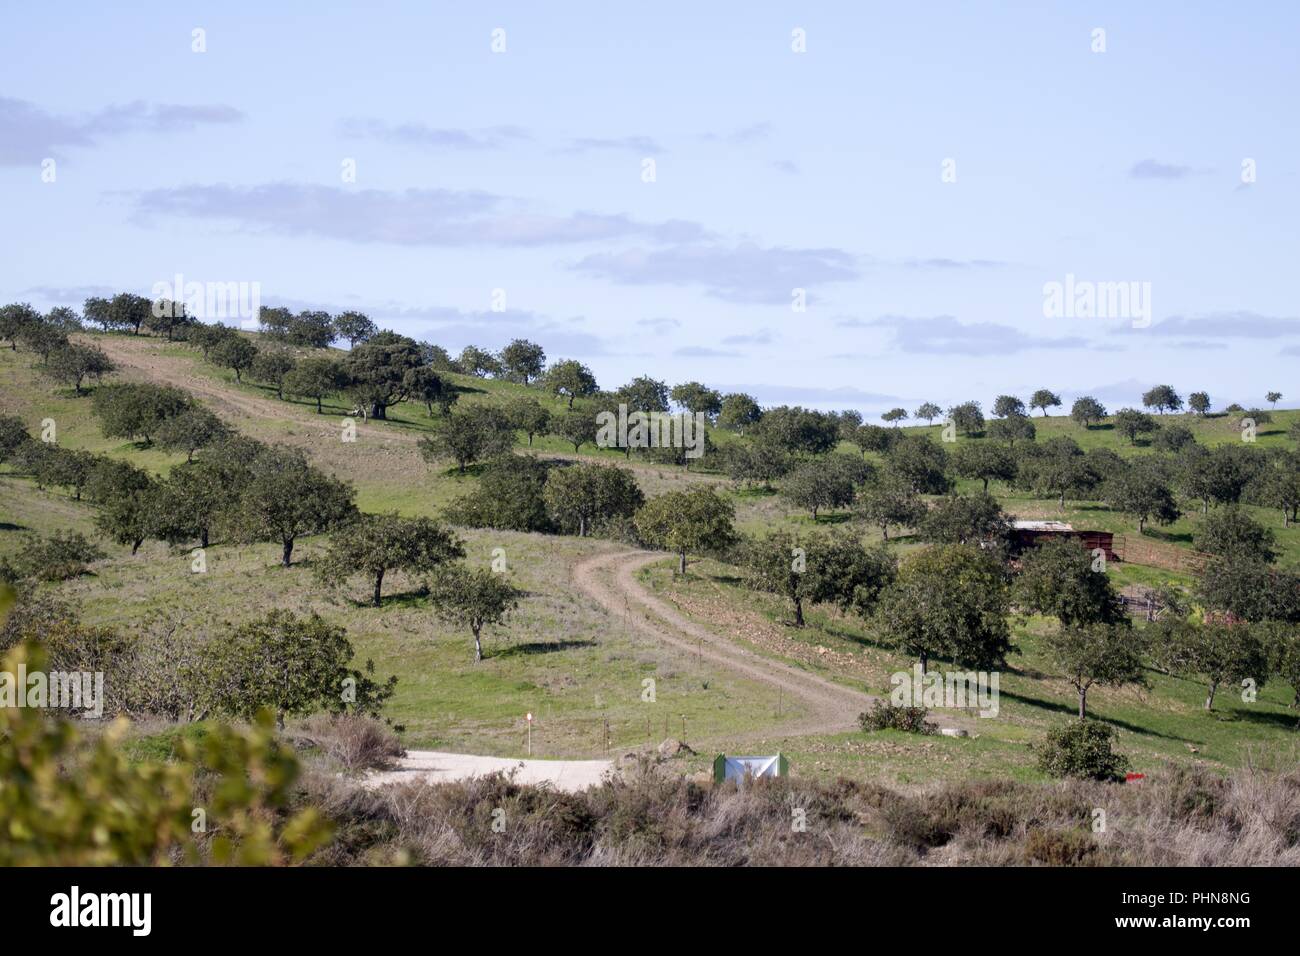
{"points": [[1181, 818], [354, 742]]}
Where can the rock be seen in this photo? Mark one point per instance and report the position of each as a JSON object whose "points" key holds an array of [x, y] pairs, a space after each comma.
{"points": [[674, 748], [953, 732]]}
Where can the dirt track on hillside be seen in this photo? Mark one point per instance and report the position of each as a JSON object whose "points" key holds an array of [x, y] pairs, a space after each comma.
{"points": [[610, 581], [228, 402]]}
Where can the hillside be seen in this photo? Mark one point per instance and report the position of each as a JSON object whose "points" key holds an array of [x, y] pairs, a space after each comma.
{"points": [[579, 665]]}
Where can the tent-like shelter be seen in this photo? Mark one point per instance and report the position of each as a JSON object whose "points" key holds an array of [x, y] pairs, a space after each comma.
{"points": [[728, 768]]}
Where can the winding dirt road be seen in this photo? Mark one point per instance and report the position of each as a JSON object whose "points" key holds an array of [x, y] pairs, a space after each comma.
{"points": [[610, 581]]}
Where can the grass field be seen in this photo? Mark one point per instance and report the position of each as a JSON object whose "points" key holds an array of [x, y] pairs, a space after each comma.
{"points": [[575, 666]]}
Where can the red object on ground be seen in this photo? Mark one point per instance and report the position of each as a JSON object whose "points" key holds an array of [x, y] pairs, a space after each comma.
{"points": [[1133, 777]]}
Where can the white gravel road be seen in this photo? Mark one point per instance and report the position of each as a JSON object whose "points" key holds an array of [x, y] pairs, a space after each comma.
{"points": [[433, 766]]}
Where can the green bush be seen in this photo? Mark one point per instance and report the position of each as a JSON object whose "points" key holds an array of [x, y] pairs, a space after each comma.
{"points": [[1083, 749], [60, 556], [1059, 848], [885, 716], [74, 802]]}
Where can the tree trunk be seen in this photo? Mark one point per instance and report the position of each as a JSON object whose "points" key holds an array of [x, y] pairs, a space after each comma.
{"points": [[478, 645], [1083, 703], [237, 378], [379, 584], [288, 552], [203, 538], [582, 526], [135, 545], [1142, 524], [884, 531], [318, 407], [1209, 700], [986, 486], [925, 662], [798, 611], [379, 411], [681, 563]]}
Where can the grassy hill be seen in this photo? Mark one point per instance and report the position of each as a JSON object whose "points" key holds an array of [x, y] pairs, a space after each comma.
{"points": [[576, 666]]}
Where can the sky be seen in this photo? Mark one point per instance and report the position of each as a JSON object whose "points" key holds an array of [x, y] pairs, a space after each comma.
{"points": [[841, 205]]}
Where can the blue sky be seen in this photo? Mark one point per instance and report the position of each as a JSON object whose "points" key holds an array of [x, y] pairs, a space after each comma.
{"points": [[774, 170]]}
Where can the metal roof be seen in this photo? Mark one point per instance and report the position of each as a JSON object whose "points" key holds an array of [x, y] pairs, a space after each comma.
{"points": [[1041, 526]]}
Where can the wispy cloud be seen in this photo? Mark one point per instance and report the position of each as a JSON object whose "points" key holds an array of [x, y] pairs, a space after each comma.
{"points": [[73, 295], [432, 217], [942, 263], [659, 324], [742, 136], [703, 351], [844, 397], [1154, 169], [944, 335], [641, 145], [745, 273], [423, 136], [785, 166], [29, 134], [759, 337], [1240, 324]]}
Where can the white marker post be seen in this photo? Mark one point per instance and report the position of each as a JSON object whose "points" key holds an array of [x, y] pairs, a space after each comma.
{"points": [[529, 717]]}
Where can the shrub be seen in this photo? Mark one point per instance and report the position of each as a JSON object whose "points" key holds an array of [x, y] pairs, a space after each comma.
{"points": [[55, 781], [355, 741], [291, 666], [60, 556], [508, 496], [886, 716], [1059, 847], [1084, 749]]}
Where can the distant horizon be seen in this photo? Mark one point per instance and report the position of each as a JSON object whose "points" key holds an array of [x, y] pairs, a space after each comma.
{"points": [[793, 395]]}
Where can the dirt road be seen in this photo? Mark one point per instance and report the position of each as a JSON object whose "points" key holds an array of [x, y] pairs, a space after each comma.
{"points": [[432, 766], [137, 360], [610, 581]]}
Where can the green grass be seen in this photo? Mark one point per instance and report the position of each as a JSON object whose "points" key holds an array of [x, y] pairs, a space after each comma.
{"points": [[575, 667], [568, 664], [1161, 723]]}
